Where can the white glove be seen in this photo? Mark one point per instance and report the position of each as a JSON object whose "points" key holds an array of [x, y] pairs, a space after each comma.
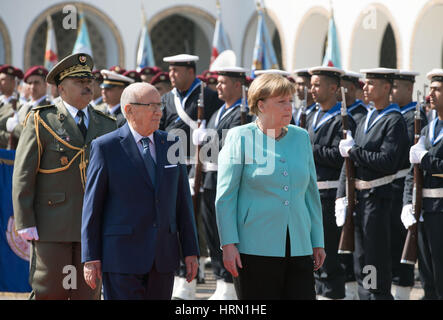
{"points": [[191, 185], [407, 217], [340, 211], [346, 144], [12, 122], [417, 151], [28, 233], [199, 135]]}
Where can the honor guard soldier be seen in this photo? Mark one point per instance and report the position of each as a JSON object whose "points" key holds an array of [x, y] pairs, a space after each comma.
{"points": [[428, 153], [180, 118], [35, 78], [302, 81], [326, 131], [147, 73], [356, 107], [162, 83], [49, 179], [402, 274], [112, 88], [377, 153], [97, 100], [182, 101], [8, 100], [229, 88]]}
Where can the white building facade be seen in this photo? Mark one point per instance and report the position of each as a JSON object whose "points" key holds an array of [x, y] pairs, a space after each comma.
{"points": [[406, 34]]}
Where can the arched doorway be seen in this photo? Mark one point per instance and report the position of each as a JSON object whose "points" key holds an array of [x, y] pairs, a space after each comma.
{"points": [[5, 44], [375, 40], [106, 42], [182, 30], [314, 25], [249, 40], [426, 50]]}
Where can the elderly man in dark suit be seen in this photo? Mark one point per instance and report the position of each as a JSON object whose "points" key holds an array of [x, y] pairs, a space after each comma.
{"points": [[137, 213]]}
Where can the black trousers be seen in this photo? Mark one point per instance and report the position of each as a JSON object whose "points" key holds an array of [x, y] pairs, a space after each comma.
{"points": [[372, 255], [210, 231], [149, 286], [330, 278], [402, 274], [430, 245], [275, 278]]}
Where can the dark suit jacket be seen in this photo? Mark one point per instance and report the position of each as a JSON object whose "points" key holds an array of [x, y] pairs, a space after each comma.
{"points": [[127, 222]]}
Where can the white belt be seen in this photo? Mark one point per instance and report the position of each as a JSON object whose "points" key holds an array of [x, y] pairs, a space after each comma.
{"points": [[327, 185], [402, 173], [432, 193], [209, 166], [362, 185]]}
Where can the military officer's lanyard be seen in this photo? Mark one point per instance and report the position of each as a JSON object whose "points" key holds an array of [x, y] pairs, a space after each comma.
{"points": [[335, 110], [391, 108], [408, 107], [194, 85], [432, 128], [355, 105], [308, 111], [223, 112]]}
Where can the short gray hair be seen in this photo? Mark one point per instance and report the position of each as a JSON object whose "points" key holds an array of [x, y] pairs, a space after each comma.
{"points": [[133, 93]]}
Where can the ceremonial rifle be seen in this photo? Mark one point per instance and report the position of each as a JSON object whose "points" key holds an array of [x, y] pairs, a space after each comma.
{"points": [[346, 244], [243, 105], [13, 140], [304, 104], [198, 163], [409, 254]]}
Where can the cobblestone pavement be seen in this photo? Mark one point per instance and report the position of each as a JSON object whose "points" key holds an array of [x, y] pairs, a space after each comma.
{"points": [[204, 290]]}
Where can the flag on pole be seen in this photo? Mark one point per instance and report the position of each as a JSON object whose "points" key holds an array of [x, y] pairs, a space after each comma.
{"points": [[82, 44], [14, 251], [264, 55], [145, 55], [51, 56], [220, 42], [332, 54]]}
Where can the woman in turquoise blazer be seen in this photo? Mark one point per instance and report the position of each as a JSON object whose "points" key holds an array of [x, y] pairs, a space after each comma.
{"points": [[268, 205]]}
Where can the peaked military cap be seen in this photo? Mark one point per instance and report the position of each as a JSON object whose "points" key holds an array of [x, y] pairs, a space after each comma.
{"points": [[353, 77], [77, 65], [406, 75], [302, 73], [380, 73], [113, 79], [236, 72], [331, 72], [185, 60], [435, 75]]}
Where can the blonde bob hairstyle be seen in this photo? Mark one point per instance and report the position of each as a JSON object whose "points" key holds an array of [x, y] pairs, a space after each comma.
{"points": [[268, 86]]}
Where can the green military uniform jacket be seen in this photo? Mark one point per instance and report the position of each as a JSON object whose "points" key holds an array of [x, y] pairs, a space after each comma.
{"points": [[6, 111], [48, 185]]}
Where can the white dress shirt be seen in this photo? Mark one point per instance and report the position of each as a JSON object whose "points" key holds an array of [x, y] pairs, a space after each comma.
{"points": [[138, 137], [73, 112]]}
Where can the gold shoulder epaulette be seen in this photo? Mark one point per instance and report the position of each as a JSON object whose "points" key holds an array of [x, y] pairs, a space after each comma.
{"points": [[43, 107], [104, 114]]}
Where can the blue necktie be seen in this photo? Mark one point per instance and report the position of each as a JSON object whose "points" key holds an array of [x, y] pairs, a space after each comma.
{"points": [[147, 158]]}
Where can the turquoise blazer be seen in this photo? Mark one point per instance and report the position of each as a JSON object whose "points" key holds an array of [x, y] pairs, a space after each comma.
{"points": [[266, 187]]}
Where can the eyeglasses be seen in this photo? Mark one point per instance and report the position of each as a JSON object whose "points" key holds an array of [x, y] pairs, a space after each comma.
{"points": [[153, 106]]}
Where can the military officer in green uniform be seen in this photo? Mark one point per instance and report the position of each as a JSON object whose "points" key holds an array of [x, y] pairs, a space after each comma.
{"points": [[49, 179]]}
